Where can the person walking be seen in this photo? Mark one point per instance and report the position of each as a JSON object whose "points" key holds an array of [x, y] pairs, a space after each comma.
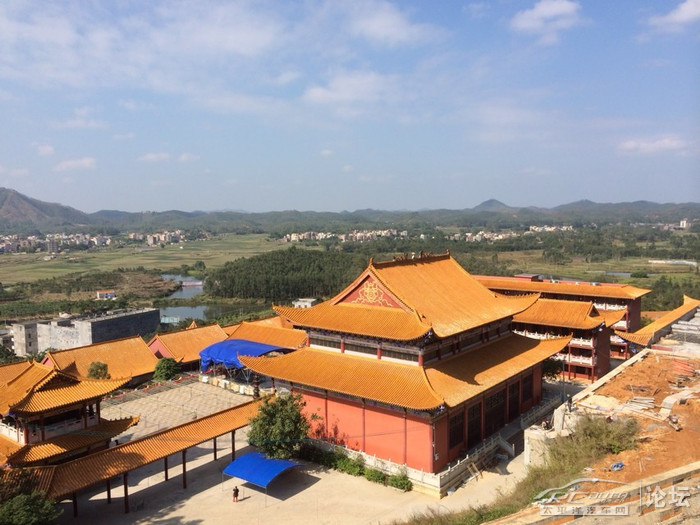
{"points": [[235, 494]]}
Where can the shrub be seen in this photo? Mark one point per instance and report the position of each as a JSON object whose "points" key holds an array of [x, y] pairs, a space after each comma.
{"points": [[349, 465], [400, 481], [98, 370], [166, 369], [376, 476]]}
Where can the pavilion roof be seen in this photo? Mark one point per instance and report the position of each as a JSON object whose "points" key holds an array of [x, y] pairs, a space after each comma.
{"points": [[11, 370], [69, 442], [586, 289], [185, 345], [648, 334], [270, 335], [406, 298], [129, 357], [578, 315], [39, 388], [451, 381]]}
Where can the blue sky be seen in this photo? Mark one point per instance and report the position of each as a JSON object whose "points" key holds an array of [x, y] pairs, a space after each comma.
{"points": [[345, 105]]}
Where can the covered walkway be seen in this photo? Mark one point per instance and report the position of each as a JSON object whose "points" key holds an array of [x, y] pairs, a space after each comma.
{"points": [[66, 480]]}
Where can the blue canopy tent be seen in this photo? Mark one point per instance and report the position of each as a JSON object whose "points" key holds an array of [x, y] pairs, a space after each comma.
{"points": [[258, 469], [226, 352]]}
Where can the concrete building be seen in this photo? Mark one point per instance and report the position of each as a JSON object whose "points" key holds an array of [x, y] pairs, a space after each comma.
{"points": [[31, 337]]}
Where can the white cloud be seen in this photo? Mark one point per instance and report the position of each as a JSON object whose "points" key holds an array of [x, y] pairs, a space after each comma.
{"points": [[352, 87], [686, 13], [45, 150], [348, 168], [651, 146], [154, 157], [547, 19], [383, 23], [18, 172], [82, 119], [86, 163], [123, 136], [135, 105], [327, 152], [187, 157], [476, 9]]}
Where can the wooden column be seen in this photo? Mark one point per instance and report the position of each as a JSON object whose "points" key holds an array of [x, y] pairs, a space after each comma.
{"points": [[483, 418], [214, 448], [41, 423], [405, 436], [109, 491], [74, 497], [233, 445], [364, 433], [184, 469], [165, 467], [84, 411], [126, 493], [325, 413]]}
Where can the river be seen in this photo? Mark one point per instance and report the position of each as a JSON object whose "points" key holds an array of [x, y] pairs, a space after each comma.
{"points": [[205, 312]]}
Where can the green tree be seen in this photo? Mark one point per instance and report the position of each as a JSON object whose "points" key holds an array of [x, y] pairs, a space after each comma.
{"points": [[166, 369], [28, 509], [280, 426], [98, 370]]}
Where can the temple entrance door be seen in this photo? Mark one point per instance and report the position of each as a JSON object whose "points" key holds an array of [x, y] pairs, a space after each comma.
{"points": [[495, 407], [513, 401], [474, 426]]}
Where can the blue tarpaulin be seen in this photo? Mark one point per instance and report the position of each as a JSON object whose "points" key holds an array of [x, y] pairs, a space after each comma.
{"points": [[258, 469], [226, 352]]}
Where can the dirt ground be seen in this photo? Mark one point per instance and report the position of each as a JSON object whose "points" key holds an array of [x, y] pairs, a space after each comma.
{"points": [[662, 448]]}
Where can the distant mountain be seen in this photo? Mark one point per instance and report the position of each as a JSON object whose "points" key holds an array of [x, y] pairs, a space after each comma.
{"points": [[492, 205], [21, 214], [17, 210]]}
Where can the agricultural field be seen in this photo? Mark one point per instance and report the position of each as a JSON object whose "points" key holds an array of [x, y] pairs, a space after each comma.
{"points": [[213, 252]]}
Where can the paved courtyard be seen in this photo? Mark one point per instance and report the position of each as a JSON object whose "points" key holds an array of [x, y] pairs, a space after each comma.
{"points": [[306, 494]]}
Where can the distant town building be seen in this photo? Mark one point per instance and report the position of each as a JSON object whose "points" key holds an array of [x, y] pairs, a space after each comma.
{"points": [[304, 302]]}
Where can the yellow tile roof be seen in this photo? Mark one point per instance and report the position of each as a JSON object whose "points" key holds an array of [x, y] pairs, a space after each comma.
{"points": [[69, 442], [40, 388], [129, 357], [271, 335], [464, 376], [373, 321], [451, 381], [85, 472], [43, 400], [580, 315], [404, 299], [647, 334], [398, 384], [275, 320], [185, 345], [12, 370], [7, 448], [606, 290]]}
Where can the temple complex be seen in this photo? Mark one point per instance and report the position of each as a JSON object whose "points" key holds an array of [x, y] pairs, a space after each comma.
{"points": [[414, 362]]}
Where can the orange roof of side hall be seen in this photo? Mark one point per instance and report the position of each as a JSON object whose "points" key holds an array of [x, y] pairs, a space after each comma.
{"points": [[578, 315], [129, 357], [606, 290], [39, 388], [406, 298], [271, 335], [450, 381], [645, 335], [184, 345]]}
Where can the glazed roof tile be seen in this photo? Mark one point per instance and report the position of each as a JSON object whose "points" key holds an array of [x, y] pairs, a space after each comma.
{"points": [[451, 381], [22, 385], [404, 299], [45, 399], [465, 376], [648, 334], [185, 345], [394, 383], [271, 335], [606, 290], [12, 370], [69, 442], [85, 472], [373, 321], [129, 357], [580, 315]]}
